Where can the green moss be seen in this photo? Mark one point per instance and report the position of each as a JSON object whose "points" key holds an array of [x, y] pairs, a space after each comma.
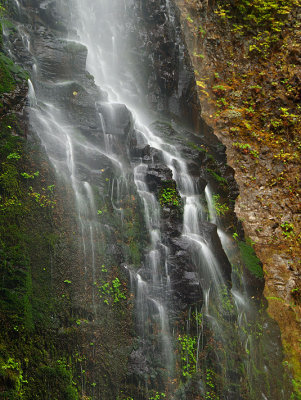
{"points": [[132, 233], [9, 179], [276, 299], [217, 177], [250, 260], [25, 296], [12, 375], [74, 47], [201, 149], [198, 148], [297, 389], [28, 318], [7, 81], [10, 73], [59, 381], [135, 253]]}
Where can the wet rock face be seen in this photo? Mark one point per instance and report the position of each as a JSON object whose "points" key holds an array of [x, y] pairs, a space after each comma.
{"points": [[186, 278], [185, 282], [59, 59], [156, 175], [117, 119], [209, 232], [168, 78], [137, 363]]}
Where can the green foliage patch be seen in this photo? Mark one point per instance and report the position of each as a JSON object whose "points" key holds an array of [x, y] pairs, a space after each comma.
{"points": [[188, 346], [264, 19], [110, 290], [220, 208], [58, 377], [258, 14], [168, 195]]}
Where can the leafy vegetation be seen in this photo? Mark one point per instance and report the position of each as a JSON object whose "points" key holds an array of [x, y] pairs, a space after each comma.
{"points": [[168, 195], [210, 386], [187, 354], [246, 148], [287, 229], [264, 19], [158, 396], [220, 208], [110, 291]]}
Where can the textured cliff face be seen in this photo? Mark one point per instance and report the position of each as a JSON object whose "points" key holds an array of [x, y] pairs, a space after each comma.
{"points": [[249, 89]]}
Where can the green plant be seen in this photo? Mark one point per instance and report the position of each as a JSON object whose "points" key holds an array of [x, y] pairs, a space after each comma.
{"points": [[198, 55], [188, 354], [202, 31], [262, 20], [246, 149], [287, 229], [13, 156], [221, 102], [219, 90], [168, 195], [11, 370], [198, 316], [226, 300], [220, 209], [110, 292], [158, 396], [43, 199], [235, 236], [117, 293], [103, 268], [210, 386], [25, 175]]}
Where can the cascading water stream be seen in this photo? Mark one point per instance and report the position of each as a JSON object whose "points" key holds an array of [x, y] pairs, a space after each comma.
{"points": [[213, 283], [82, 161]]}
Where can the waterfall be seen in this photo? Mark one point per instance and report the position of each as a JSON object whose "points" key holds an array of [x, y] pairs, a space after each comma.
{"points": [[120, 148]]}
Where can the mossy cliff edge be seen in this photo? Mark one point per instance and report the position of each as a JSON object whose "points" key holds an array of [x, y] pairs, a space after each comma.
{"points": [[246, 56]]}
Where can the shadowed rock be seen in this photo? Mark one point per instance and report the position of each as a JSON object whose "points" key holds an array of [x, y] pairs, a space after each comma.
{"points": [[117, 119]]}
